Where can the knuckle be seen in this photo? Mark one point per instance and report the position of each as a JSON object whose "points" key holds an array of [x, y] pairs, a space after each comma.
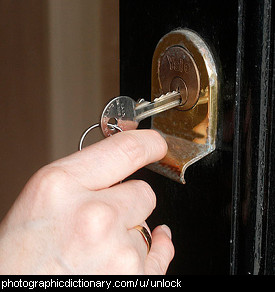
{"points": [[48, 183], [94, 220], [145, 189]]}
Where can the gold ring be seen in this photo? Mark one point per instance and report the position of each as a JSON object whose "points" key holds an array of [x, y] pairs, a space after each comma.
{"points": [[146, 235]]}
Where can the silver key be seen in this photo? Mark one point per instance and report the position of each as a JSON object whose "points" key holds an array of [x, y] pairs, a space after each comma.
{"points": [[125, 113]]}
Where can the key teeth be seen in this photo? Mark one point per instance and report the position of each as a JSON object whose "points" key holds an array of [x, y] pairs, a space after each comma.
{"points": [[165, 94]]}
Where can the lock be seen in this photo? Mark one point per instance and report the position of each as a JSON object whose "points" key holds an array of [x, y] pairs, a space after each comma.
{"points": [[178, 72], [183, 62]]}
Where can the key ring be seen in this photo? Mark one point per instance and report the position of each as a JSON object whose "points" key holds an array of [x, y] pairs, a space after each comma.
{"points": [[113, 127]]}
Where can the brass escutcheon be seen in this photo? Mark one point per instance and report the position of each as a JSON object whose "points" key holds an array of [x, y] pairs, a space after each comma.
{"points": [[182, 61]]}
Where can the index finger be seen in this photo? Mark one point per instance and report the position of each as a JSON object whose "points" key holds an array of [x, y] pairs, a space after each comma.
{"points": [[114, 158]]}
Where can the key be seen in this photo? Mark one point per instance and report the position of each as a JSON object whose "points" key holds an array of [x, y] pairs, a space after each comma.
{"points": [[125, 113]]}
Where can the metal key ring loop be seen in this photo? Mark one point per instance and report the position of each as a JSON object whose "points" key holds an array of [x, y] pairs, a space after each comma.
{"points": [[80, 146]]}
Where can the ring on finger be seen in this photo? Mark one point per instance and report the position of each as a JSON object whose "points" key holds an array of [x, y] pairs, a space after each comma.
{"points": [[146, 235]]}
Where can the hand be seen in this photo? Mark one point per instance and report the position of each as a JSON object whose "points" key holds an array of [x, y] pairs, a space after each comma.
{"points": [[73, 217]]}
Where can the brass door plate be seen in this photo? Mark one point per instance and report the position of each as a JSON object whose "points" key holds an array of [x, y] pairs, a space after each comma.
{"points": [[182, 61]]}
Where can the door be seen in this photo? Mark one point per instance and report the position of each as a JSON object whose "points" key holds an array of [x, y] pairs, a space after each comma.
{"points": [[223, 218]]}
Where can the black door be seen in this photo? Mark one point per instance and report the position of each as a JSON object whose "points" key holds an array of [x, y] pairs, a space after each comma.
{"points": [[223, 218]]}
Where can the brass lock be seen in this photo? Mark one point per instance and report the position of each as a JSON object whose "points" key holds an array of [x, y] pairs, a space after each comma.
{"points": [[183, 62], [178, 71]]}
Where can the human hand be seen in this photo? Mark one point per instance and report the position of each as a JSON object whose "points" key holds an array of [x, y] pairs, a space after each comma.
{"points": [[73, 218]]}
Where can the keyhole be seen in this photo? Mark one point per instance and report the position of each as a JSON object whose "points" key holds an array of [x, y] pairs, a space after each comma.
{"points": [[179, 85]]}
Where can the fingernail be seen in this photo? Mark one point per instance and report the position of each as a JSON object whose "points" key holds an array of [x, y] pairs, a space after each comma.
{"points": [[167, 230]]}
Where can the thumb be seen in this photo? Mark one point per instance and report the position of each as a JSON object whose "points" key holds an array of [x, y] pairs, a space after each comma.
{"points": [[161, 253]]}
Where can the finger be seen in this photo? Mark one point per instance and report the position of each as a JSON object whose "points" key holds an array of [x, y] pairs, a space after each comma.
{"points": [[161, 253], [114, 158], [134, 201]]}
